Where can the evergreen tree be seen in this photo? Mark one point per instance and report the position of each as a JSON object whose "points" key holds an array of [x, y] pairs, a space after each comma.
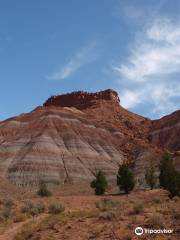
{"points": [[169, 178], [166, 170], [43, 190], [99, 184], [150, 176], [125, 179]]}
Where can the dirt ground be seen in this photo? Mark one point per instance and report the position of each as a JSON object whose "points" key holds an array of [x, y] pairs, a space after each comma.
{"points": [[87, 216]]}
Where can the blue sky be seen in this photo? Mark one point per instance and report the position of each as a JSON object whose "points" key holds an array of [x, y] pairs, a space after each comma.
{"points": [[52, 47]]}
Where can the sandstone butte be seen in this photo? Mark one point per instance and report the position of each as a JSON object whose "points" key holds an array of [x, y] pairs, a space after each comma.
{"points": [[72, 136]]}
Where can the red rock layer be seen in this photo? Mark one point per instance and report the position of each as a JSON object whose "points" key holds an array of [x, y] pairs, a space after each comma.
{"points": [[73, 136], [82, 99], [165, 132]]}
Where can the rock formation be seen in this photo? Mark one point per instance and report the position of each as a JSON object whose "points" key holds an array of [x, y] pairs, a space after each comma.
{"points": [[72, 136], [82, 100], [165, 132]]}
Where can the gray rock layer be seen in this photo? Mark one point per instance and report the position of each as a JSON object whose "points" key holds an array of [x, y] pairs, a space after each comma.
{"points": [[56, 147]]}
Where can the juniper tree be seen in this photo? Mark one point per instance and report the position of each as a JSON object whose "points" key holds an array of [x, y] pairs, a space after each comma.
{"points": [[99, 183], [43, 190], [125, 178], [169, 178], [150, 176]]}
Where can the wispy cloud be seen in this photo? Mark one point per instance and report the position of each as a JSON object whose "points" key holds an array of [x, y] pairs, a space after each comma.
{"points": [[150, 73], [137, 13], [133, 13], [130, 99], [83, 56]]}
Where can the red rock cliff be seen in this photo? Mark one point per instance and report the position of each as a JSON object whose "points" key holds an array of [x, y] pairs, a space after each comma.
{"points": [[165, 132], [82, 99]]}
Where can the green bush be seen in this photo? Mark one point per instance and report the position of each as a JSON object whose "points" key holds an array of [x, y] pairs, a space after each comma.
{"points": [[56, 208], [33, 209], [125, 178], [106, 204], [43, 190], [99, 184], [169, 178]]}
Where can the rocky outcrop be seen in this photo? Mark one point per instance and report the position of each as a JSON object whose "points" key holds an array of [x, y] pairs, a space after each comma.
{"points": [[165, 132], [82, 99], [72, 136]]}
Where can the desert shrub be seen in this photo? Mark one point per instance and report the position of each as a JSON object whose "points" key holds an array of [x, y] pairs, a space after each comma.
{"points": [[56, 208], [109, 215], [99, 184], [43, 190], [40, 207], [5, 213], [106, 204], [8, 203], [156, 200], [138, 208], [26, 208], [125, 178], [32, 209], [155, 221]]}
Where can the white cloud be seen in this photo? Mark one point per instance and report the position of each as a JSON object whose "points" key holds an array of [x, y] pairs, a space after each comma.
{"points": [[129, 98], [84, 56], [164, 31], [150, 73], [133, 12]]}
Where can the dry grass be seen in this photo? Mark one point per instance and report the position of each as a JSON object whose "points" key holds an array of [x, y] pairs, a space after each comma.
{"points": [[138, 208], [107, 204], [155, 221], [93, 217]]}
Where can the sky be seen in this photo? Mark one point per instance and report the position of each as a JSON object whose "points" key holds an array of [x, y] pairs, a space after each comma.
{"points": [[50, 47]]}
